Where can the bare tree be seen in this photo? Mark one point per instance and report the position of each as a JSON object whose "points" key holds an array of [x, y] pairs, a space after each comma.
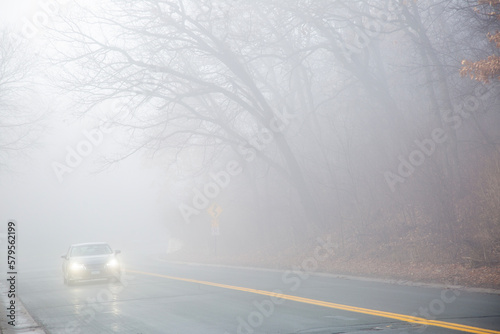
{"points": [[317, 100], [203, 73], [18, 123]]}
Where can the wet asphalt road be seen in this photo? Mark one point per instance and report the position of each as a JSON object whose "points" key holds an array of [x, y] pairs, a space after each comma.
{"points": [[144, 303]]}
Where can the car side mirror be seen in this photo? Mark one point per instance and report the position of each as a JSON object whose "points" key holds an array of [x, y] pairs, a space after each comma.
{"points": [[63, 257], [118, 251]]}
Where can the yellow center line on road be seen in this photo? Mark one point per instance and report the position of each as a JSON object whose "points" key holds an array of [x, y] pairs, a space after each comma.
{"points": [[396, 316]]}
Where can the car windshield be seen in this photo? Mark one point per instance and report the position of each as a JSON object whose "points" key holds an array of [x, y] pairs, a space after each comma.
{"points": [[90, 250]]}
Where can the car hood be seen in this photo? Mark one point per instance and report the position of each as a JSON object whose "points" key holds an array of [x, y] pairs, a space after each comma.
{"points": [[95, 259]]}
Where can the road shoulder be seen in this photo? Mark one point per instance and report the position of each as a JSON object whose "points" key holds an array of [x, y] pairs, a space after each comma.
{"points": [[348, 277], [24, 323]]}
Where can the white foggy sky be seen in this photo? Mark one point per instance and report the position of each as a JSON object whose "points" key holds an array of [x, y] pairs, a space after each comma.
{"points": [[115, 205], [13, 11], [119, 205]]}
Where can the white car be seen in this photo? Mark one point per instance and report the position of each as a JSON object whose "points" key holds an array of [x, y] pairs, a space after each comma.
{"points": [[90, 261]]}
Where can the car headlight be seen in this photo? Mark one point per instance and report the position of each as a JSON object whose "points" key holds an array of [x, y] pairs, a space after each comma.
{"points": [[113, 263], [76, 266]]}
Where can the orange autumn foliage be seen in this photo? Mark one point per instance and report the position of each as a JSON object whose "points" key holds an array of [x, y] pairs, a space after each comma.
{"points": [[489, 68]]}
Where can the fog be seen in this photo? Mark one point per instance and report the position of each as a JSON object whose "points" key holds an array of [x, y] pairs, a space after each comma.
{"points": [[119, 205], [228, 129]]}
